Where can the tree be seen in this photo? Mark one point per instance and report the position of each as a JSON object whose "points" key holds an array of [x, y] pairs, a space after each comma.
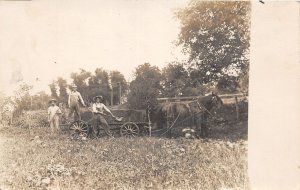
{"points": [[90, 85], [175, 79], [81, 80], [243, 81], [40, 101], [146, 85], [22, 98], [53, 89], [227, 85], [118, 81], [62, 85], [98, 85], [216, 35], [195, 86]]}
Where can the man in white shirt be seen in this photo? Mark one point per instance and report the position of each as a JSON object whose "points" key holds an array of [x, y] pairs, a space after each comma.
{"points": [[73, 102], [98, 109], [53, 115]]}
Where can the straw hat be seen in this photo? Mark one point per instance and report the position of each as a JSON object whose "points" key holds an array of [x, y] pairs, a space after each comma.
{"points": [[52, 100], [100, 97]]}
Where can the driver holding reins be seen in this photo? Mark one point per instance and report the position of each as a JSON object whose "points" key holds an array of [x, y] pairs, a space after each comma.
{"points": [[98, 109]]}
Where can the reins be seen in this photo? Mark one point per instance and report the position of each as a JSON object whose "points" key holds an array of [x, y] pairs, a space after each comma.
{"points": [[201, 107]]}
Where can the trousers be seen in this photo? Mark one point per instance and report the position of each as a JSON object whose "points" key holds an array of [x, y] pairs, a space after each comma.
{"points": [[100, 122], [54, 122], [74, 109]]}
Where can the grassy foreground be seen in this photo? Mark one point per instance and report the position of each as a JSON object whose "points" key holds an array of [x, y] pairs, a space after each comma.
{"points": [[41, 161]]}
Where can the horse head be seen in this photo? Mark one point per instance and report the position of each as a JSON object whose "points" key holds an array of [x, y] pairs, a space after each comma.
{"points": [[211, 101]]}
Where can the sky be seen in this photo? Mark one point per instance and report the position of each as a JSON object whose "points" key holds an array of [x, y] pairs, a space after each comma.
{"points": [[41, 40]]}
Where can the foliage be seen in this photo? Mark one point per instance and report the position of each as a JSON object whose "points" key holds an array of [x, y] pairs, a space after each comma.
{"points": [[118, 81], [6, 104], [81, 80], [40, 101], [33, 119], [194, 91], [22, 99], [215, 35], [62, 85], [98, 85], [178, 81], [44, 161], [227, 84], [53, 89], [145, 86], [90, 85], [243, 81], [175, 79]]}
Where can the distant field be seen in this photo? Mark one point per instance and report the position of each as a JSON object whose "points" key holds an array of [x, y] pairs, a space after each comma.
{"points": [[42, 161]]}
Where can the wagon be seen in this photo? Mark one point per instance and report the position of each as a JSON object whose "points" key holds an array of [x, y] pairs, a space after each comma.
{"points": [[137, 123], [134, 123]]}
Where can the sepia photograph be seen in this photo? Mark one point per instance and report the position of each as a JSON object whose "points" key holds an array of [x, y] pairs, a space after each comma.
{"points": [[125, 94]]}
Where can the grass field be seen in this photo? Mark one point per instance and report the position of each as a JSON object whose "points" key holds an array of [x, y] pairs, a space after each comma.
{"points": [[42, 161]]}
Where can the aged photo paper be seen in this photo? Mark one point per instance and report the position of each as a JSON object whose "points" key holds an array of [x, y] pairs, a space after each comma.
{"points": [[274, 136], [150, 94]]}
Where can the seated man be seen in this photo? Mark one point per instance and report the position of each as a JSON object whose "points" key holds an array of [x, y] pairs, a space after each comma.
{"points": [[98, 109]]}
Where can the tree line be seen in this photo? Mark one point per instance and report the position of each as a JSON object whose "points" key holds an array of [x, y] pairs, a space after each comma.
{"points": [[101, 82]]}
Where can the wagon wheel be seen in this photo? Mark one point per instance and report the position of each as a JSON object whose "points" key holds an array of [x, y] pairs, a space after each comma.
{"points": [[129, 130], [144, 128], [78, 129]]}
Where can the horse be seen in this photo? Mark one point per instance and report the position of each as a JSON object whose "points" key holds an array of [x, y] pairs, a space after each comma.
{"points": [[173, 114]]}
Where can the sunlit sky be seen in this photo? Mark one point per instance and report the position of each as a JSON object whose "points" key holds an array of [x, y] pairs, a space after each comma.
{"points": [[47, 39]]}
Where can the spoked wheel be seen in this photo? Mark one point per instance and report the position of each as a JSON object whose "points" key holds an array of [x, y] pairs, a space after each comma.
{"points": [[78, 129], [129, 130]]}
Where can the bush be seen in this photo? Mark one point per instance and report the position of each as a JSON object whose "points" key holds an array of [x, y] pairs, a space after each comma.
{"points": [[32, 118]]}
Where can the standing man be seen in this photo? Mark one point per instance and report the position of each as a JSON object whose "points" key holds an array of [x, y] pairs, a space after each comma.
{"points": [[53, 115], [73, 102]]}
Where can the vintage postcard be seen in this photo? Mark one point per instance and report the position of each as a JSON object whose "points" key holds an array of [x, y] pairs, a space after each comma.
{"points": [[140, 94]]}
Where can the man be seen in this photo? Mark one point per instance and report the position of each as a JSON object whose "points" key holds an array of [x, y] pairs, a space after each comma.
{"points": [[98, 109], [53, 115], [73, 102]]}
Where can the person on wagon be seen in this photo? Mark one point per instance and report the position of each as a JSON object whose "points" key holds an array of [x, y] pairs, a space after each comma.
{"points": [[73, 102], [98, 109], [53, 115]]}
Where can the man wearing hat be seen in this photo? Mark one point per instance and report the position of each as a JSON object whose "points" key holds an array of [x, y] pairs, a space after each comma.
{"points": [[98, 109], [73, 102], [53, 115]]}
